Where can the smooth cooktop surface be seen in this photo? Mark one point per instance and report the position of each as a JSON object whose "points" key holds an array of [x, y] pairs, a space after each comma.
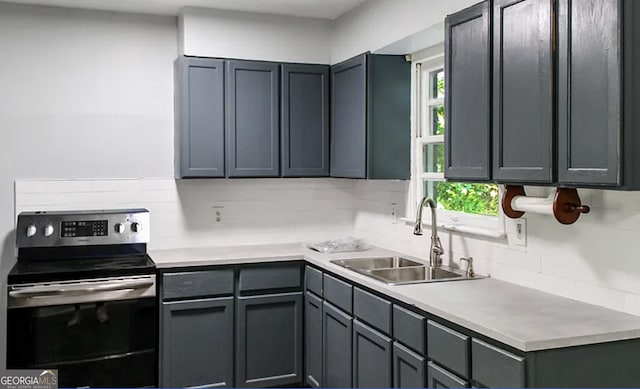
{"points": [[32, 271]]}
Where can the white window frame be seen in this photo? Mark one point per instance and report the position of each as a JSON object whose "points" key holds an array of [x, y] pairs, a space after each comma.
{"points": [[427, 62]]}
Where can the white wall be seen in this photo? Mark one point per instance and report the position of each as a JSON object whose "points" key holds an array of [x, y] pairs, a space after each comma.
{"points": [[377, 24], [82, 94], [595, 260], [242, 35]]}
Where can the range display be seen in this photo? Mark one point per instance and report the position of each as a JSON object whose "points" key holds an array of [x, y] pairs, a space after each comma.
{"points": [[70, 229]]}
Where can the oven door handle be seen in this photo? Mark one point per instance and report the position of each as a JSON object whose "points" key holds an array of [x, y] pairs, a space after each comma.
{"points": [[74, 290]]}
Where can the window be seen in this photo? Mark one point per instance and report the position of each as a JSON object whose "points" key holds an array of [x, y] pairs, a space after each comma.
{"points": [[474, 204]]}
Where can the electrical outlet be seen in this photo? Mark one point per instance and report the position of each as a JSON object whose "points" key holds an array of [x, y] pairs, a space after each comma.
{"points": [[521, 233], [219, 212], [394, 213]]}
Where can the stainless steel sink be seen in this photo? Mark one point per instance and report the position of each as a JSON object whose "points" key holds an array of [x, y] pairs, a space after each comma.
{"points": [[414, 275], [402, 271], [376, 263]]}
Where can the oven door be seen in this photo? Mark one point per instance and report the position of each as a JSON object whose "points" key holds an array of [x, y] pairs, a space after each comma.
{"points": [[97, 333]]}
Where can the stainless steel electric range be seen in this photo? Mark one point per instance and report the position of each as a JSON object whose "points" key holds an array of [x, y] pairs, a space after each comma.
{"points": [[82, 298]]}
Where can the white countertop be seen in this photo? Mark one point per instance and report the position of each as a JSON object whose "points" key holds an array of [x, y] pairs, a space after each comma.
{"points": [[521, 317]]}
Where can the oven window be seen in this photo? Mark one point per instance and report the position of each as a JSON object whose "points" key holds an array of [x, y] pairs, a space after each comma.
{"points": [[91, 344]]}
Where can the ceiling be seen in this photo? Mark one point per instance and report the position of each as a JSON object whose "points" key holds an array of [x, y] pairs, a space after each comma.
{"points": [[325, 9]]}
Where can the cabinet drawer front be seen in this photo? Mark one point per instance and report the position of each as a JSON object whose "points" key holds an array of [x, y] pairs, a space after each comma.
{"points": [[441, 378], [409, 328], [372, 309], [313, 281], [495, 368], [449, 348], [197, 284], [273, 277], [338, 293]]}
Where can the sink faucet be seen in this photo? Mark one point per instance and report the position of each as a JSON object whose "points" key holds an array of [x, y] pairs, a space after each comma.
{"points": [[436, 250]]}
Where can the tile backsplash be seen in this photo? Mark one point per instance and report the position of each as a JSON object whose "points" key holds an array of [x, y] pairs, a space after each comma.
{"points": [[184, 212], [595, 260]]}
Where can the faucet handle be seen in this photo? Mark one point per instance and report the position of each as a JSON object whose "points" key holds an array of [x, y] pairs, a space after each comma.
{"points": [[470, 272]]}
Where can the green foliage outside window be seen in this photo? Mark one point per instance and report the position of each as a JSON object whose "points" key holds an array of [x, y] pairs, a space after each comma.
{"points": [[479, 199]]}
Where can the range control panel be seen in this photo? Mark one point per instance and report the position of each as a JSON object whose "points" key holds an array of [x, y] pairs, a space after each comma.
{"points": [[82, 228]]}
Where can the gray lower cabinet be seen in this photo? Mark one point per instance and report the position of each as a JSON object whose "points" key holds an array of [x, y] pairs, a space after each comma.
{"points": [[468, 97], [305, 120], [409, 368], [197, 343], [372, 354], [523, 89], [493, 367], [252, 119], [313, 340], [269, 340], [337, 328], [200, 117], [370, 117], [438, 377]]}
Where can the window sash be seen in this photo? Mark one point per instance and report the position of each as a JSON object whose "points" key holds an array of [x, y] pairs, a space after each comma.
{"points": [[422, 130]]}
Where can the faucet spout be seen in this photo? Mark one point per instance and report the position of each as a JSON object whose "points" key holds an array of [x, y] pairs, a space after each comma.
{"points": [[436, 250]]}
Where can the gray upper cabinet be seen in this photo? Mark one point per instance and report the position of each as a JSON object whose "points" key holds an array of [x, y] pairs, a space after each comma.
{"points": [[200, 117], [305, 120], [349, 118], [269, 340], [597, 118], [252, 119], [197, 343], [468, 97], [370, 117], [523, 63], [589, 92]]}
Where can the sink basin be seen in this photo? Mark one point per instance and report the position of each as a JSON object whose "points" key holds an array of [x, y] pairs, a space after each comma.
{"points": [[414, 275], [377, 263], [401, 271]]}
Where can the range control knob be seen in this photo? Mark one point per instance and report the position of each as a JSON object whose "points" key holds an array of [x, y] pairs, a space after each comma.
{"points": [[32, 230], [136, 227], [119, 227], [48, 230]]}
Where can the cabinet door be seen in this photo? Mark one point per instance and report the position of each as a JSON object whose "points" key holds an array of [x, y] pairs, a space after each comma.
{"points": [[253, 122], [336, 347], [523, 91], [468, 98], [438, 377], [349, 118], [313, 340], [372, 355], [305, 120], [409, 368], [196, 346], [589, 92], [269, 340], [200, 136]]}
